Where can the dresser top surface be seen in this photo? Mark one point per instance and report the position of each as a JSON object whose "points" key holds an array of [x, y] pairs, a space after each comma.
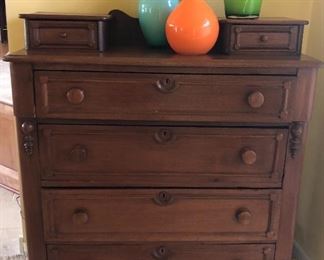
{"points": [[145, 57]]}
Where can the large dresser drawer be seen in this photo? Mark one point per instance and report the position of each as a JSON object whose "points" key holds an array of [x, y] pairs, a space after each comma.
{"points": [[162, 156], [125, 96], [160, 215], [163, 251]]}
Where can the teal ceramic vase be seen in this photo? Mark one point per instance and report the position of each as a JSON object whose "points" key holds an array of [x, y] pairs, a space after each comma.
{"points": [[242, 8], [152, 17]]}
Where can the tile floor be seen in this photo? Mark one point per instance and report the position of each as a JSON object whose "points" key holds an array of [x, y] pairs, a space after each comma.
{"points": [[10, 224]]}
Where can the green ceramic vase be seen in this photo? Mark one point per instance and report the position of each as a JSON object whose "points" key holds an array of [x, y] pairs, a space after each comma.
{"points": [[242, 8], [152, 17]]}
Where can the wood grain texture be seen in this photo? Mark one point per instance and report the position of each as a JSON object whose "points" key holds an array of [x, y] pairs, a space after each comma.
{"points": [[62, 34], [142, 97], [139, 153], [291, 184], [134, 215], [161, 156], [66, 31], [22, 81], [292, 178], [163, 250], [30, 180], [133, 57], [260, 38], [64, 16]]}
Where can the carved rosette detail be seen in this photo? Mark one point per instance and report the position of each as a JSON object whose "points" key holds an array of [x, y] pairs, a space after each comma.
{"points": [[27, 129], [295, 141]]}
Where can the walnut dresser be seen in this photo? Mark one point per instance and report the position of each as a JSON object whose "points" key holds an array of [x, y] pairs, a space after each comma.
{"points": [[139, 154]]}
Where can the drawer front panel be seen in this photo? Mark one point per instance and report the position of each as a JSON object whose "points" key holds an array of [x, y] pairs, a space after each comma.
{"points": [[63, 34], [267, 38], [160, 215], [170, 251], [162, 156], [164, 97]]}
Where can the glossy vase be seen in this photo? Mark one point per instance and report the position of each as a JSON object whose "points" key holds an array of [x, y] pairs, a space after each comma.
{"points": [[152, 17], [192, 28]]}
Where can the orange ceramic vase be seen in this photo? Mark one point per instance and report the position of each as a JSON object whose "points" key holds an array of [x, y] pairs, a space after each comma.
{"points": [[192, 28]]}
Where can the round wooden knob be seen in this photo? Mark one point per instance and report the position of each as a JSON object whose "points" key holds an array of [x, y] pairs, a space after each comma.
{"points": [[79, 153], [27, 127], [75, 96], [256, 99], [248, 156], [264, 38], [243, 216], [80, 216]]}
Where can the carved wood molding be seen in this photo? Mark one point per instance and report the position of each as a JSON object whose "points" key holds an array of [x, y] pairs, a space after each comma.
{"points": [[28, 129], [295, 140], [286, 89]]}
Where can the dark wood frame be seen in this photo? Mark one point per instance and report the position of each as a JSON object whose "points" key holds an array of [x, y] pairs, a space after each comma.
{"points": [[24, 65]]}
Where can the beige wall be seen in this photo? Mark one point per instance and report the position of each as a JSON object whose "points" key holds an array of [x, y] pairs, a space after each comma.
{"points": [[310, 226]]}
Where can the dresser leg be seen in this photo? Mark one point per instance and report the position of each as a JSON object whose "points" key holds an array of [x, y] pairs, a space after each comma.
{"points": [[291, 183], [30, 180]]}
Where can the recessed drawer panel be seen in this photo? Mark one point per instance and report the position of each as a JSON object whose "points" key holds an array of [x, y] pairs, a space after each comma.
{"points": [[155, 251], [154, 97], [162, 156], [62, 34], [160, 215], [267, 38]]}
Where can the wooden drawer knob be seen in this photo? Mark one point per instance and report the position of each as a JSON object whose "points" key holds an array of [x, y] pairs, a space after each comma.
{"points": [[75, 96], [243, 216], [161, 253], [166, 85], [256, 99], [264, 38], [80, 216], [248, 156], [79, 153]]}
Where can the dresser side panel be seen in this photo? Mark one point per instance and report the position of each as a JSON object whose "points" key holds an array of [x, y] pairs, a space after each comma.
{"points": [[23, 89], [30, 181]]}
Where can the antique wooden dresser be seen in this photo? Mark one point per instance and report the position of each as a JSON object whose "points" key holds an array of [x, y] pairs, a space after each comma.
{"points": [[138, 153]]}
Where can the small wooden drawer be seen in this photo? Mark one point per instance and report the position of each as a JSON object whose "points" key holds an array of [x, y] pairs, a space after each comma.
{"points": [[262, 37], [125, 96], [162, 156], [49, 31], [166, 251], [160, 215]]}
